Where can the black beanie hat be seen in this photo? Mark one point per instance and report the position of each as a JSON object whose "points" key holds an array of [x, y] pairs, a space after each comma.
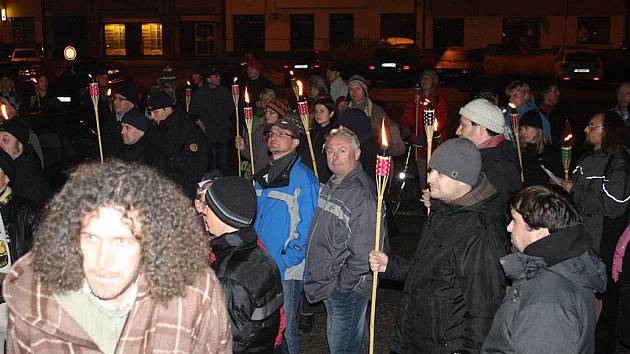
{"points": [[18, 128], [159, 99], [136, 119], [531, 119], [128, 90], [7, 165], [233, 201]]}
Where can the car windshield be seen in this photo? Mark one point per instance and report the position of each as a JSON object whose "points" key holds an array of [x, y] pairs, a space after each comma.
{"points": [[390, 54], [25, 54], [582, 57]]}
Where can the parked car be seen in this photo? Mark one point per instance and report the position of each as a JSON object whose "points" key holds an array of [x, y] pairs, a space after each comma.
{"points": [[25, 54], [305, 63], [577, 63], [459, 64], [395, 65]]}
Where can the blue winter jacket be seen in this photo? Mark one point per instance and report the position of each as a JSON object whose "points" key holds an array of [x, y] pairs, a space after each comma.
{"points": [[529, 106]]}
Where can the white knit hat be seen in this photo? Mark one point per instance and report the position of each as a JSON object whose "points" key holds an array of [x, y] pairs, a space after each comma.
{"points": [[485, 114]]}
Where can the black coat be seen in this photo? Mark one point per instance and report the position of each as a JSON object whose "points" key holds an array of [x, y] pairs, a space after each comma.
{"points": [[142, 152], [454, 283], [183, 150], [533, 173], [214, 106], [29, 181], [111, 140], [253, 290], [500, 164], [318, 136], [20, 216]]}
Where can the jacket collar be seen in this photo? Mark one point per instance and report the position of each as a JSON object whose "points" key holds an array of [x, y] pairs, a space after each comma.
{"points": [[273, 177], [482, 191], [238, 239], [560, 245], [336, 181]]}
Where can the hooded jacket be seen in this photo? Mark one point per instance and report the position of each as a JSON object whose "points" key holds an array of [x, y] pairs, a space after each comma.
{"points": [[499, 161], [550, 307], [253, 290], [454, 282]]}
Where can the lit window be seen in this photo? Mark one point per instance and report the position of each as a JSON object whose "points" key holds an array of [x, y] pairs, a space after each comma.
{"points": [[204, 39], [152, 39], [115, 39]]}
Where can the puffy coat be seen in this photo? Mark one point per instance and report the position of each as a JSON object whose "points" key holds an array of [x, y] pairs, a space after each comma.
{"points": [[550, 308], [253, 290], [454, 282], [341, 237]]}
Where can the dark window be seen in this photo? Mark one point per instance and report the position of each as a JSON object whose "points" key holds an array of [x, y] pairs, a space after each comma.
{"points": [[198, 39], [398, 25], [522, 33], [249, 33], [448, 32], [302, 32], [23, 31], [593, 30], [69, 30], [341, 30]]}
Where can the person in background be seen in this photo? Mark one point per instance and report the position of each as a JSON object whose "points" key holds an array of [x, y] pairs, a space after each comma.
{"points": [[7, 90], [326, 118], [316, 88], [429, 91], [125, 98], [42, 100], [537, 153], [520, 95], [118, 265], [198, 77], [256, 82], [600, 187], [248, 275], [338, 87], [266, 95], [623, 100], [136, 148], [355, 120], [550, 306], [549, 104]]}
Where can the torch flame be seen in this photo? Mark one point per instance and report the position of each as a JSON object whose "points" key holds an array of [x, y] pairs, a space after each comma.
{"points": [[187, 83], [109, 92], [4, 112], [246, 96], [291, 72], [299, 85], [568, 137], [34, 80], [435, 125], [426, 101], [383, 134], [512, 105], [235, 78]]}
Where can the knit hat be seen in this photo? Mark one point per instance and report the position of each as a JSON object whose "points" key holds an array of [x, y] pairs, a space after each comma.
{"points": [[357, 121], [159, 99], [7, 165], [287, 123], [128, 90], [136, 119], [458, 159], [484, 113], [254, 63], [18, 128], [233, 201], [359, 80], [213, 70], [531, 119], [279, 105], [432, 74]]}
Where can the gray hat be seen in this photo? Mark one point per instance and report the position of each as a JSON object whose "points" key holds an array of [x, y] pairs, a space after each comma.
{"points": [[484, 113], [359, 80], [458, 159]]}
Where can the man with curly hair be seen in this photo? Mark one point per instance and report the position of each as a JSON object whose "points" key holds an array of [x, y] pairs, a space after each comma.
{"points": [[118, 265]]}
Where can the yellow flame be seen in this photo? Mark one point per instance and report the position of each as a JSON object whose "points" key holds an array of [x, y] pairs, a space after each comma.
{"points": [[568, 137], [512, 105], [299, 85], [426, 101], [34, 80], [435, 125], [235, 78], [109, 92], [383, 134], [4, 112], [187, 82], [246, 96], [291, 72]]}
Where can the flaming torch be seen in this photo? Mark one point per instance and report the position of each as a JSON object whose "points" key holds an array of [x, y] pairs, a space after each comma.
{"points": [[417, 102], [94, 94], [5, 114], [437, 137], [294, 85], [565, 153], [236, 93], [515, 129], [383, 168], [188, 95], [429, 119], [303, 110], [248, 113], [34, 81]]}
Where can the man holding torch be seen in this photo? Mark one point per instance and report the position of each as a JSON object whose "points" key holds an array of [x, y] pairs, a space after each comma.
{"points": [[341, 237], [454, 283]]}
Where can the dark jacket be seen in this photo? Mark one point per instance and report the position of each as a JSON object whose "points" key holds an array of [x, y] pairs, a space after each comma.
{"points": [[318, 136], [341, 237], [142, 152], [30, 182], [533, 173], [111, 140], [550, 308], [454, 282], [183, 150], [500, 164], [602, 193], [253, 290], [255, 87], [214, 106], [20, 216]]}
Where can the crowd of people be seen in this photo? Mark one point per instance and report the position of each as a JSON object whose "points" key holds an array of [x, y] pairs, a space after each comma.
{"points": [[160, 249]]}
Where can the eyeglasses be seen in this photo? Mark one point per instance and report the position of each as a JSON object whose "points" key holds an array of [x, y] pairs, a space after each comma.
{"points": [[271, 134], [591, 126]]}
